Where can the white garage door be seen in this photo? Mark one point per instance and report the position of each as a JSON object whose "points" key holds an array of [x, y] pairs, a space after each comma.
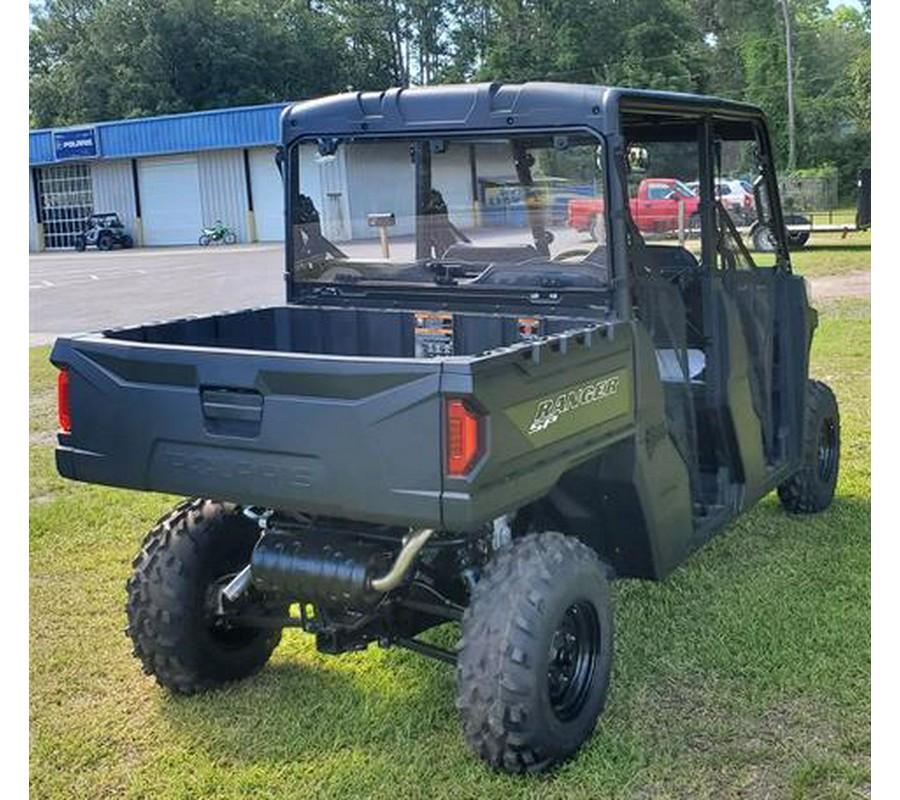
{"points": [[268, 202], [170, 200]]}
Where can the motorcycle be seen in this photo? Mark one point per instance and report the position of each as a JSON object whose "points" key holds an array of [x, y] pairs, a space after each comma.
{"points": [[218, 233]]}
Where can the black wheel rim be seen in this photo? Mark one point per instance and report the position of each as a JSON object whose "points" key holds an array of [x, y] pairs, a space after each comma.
{"points": [[574, 650], [827, 449]]}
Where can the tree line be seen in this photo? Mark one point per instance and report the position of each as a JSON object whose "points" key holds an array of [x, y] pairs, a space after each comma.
{"points": [[92, 60]]}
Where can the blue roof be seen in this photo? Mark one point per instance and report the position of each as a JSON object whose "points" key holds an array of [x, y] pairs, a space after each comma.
{"points": [[245, 126]]}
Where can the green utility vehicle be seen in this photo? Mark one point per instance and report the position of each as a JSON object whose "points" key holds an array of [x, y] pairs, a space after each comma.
{"points": [[466, 410]]}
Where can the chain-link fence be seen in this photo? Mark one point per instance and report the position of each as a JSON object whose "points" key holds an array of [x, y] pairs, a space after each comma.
{"points": [[809, 193]]}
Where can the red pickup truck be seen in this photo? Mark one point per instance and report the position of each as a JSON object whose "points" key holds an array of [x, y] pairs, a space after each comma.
{"points": [[654, 209]]}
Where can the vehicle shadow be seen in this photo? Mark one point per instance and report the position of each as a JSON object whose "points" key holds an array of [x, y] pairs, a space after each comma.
{"points": [[307, 707]]}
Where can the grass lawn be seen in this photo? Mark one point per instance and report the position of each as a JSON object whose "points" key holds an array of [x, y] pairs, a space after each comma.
{"points": [[828, 254], [745, 674]]}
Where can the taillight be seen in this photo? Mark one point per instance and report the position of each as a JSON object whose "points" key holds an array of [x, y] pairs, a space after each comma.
{"points": [[62, 400], [463, 437]]}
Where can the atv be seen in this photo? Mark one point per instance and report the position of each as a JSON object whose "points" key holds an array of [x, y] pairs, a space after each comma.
{"points": [[545, 413], [103, 231]]}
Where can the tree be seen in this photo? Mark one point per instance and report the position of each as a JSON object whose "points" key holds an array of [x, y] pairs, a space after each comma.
{"points": [[101, 59]]}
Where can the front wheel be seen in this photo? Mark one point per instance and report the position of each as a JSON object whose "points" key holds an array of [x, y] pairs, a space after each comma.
{"points": [[230, 237], [173, 595], [204, 240], [811, 488], [533, 670]]}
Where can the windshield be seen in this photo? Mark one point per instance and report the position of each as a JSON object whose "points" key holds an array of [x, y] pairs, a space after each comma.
{"points": [[684, 190], [525, 210]]}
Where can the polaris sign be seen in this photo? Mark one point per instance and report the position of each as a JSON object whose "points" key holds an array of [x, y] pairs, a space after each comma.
{"points": [[81, 143]]}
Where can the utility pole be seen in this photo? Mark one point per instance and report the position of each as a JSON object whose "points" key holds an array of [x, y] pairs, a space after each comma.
{"points": [[792, 145]]}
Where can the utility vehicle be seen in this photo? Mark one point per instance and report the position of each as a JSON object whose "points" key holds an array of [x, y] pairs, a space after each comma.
{"points": [[103, 231], [484, 426]]}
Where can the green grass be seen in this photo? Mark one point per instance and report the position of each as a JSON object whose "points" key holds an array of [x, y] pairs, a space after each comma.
{"points": [[745, 674], [828, 254]]}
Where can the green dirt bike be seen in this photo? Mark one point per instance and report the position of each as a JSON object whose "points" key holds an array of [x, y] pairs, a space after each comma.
{"points": [[219, 232]]}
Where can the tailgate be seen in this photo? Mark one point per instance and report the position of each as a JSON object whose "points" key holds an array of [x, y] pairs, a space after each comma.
{"points": [[337, 436]]}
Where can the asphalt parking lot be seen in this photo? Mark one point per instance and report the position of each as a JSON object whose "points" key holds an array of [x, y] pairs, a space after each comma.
{"points": [[73, 292]]}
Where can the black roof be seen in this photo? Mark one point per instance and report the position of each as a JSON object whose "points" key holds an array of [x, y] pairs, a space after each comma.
{"points": [[486, 106]]}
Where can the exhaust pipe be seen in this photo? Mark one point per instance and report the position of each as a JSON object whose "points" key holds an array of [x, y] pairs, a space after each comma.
{"points": [[237, 585], [412, 544], [319, 568]]}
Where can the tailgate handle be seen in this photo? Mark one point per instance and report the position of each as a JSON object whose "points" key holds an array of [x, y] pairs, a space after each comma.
{"points": [[232, 404]]}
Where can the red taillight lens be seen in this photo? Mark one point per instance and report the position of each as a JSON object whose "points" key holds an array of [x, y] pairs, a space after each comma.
{"points": [[463, 437], [62, 399]]}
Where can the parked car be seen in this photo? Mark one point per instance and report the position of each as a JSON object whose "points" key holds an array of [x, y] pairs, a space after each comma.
{"points": [[737, 197], [654, 208], [103, 231]]}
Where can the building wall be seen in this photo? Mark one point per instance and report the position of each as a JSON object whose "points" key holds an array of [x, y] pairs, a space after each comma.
{"points": [[344, 189], [451, 175], [385, 185], [32, 216], [223, 190], [388, 184], [325, 182], [113, 185]]}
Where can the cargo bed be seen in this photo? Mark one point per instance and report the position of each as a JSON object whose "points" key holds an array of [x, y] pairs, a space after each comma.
{"points": [[339, 411]]}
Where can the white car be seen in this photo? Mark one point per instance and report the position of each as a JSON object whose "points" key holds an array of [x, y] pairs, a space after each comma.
{"points": [[736, 196]]}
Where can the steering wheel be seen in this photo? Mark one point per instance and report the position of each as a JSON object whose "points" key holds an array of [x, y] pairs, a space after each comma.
{"points": [[571, 254]]}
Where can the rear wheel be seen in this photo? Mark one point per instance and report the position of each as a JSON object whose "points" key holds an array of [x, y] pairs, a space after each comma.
{"points": [[204, 240], [127, 242], [811, 488], [173, 596], [797, 239], [80, 243], [533, 670], [763, 239], [230, 237], [105, 241]]}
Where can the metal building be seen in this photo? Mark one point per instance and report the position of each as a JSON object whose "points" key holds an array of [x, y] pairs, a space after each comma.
{"points": [[166, 177]]}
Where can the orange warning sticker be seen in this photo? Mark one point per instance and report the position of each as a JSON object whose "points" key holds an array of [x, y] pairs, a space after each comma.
{"points": [[434, 334]]}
